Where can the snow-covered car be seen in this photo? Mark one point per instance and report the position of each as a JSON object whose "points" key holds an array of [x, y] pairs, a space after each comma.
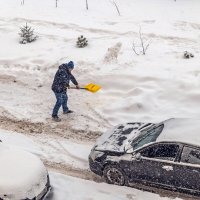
{"points": [[165, 155], [23, 176]]}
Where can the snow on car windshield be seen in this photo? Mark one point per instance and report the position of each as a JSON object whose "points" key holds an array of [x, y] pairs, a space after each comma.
{"points": [[118, 138], [148, 136]]}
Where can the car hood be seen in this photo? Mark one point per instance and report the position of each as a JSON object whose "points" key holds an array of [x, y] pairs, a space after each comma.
{"points": [[22, 174], [119, 138]]}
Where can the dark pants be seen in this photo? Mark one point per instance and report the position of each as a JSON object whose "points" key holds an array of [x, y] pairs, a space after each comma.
{"points": [[62, 99]]}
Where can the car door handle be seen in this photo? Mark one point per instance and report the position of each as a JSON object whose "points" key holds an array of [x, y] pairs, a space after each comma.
{"points": [[167, 168]]}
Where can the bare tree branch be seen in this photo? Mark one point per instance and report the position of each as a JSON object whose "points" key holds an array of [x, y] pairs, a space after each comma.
{"points": [[116, 6], [56, 3], [147, 46], [134, 49], [86, 1]]}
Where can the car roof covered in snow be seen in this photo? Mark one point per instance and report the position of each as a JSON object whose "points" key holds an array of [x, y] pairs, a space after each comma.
{"points": [[181, 130]]}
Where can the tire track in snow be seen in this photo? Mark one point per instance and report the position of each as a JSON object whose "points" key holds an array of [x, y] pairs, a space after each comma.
{"points": [[57, 146], [72, 171], [61, 129]]}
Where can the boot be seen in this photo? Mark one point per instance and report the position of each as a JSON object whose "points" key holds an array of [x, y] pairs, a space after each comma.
{"points": [[68, 112], [56, 119]]}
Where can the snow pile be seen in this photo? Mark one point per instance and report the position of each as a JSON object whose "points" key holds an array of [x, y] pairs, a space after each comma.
{"points": [[66, 187]]}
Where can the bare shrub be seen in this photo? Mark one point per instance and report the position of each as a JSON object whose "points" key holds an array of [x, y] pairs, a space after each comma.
{"points": [[188, 55], [143, 45]]}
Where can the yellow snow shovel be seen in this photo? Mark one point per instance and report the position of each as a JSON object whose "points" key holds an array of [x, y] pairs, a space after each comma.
{"points": [[90, 87]]}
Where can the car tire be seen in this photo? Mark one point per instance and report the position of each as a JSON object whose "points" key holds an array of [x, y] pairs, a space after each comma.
{"points": [[113, 174]]}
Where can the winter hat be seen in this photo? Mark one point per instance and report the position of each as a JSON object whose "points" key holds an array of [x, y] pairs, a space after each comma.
{"points": [[70, 65]]}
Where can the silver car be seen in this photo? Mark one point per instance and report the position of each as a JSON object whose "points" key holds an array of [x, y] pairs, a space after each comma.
{"points": [[23, 176]]}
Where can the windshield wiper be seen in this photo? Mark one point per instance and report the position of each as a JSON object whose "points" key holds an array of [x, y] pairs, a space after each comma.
{"points": [[148, 125]]}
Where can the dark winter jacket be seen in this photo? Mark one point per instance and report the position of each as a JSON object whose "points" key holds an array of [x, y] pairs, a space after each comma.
{"points": [[62, 78]]}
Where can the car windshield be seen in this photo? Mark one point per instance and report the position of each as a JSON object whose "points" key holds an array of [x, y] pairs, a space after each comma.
{"points": [[148, 136]]}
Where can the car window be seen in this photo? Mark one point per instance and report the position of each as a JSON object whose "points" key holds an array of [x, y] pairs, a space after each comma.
{"points": [[161, 151], [149, 136], [190, 155]]}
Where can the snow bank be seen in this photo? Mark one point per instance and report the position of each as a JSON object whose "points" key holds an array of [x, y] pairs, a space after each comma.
{"points": [[66, 187]]}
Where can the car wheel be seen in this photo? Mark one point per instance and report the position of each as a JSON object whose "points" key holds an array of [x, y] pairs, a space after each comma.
{"points": [[114, 175]]}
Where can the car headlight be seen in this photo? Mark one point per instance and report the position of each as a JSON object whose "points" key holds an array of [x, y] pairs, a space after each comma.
{"points": [[97, 155]]}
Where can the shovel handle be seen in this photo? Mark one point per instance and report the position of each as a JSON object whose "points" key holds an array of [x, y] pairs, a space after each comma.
{"points": [[77, 88]]}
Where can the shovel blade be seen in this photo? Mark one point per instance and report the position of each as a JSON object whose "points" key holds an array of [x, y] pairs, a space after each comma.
{"points": [[92, 87]]}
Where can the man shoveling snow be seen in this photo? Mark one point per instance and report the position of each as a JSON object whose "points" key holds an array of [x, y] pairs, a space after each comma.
{"points": [[60, 84]]}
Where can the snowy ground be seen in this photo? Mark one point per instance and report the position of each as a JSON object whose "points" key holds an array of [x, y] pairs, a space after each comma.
{"points": [[153, 87], [172, 85]]}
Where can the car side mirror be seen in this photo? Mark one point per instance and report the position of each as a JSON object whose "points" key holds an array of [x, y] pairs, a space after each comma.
{"points": [[137, 157]]}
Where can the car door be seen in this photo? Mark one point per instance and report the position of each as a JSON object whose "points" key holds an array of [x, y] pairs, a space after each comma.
{"points": [[156, 164], [188, 170]]}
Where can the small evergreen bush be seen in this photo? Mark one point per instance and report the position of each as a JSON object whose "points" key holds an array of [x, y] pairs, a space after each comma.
{"points": [[82, 42], [27, 34]]}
